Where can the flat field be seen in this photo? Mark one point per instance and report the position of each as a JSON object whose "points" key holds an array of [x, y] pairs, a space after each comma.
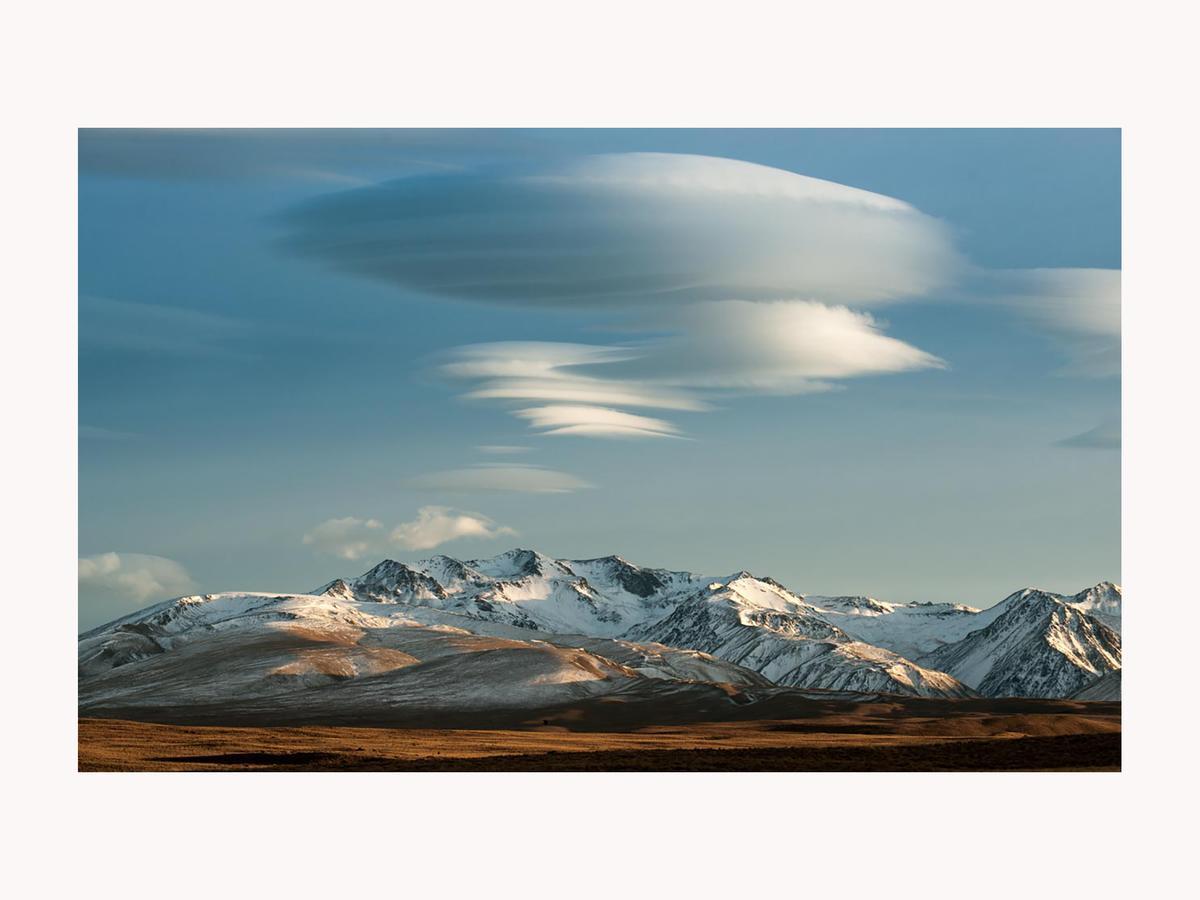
{"points": [[906, 735]]}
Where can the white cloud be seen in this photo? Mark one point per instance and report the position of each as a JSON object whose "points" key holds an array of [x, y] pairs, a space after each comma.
{"points": [[134, 577], [779, 347], [436, 525], [713, 349], [346, 538], [600, 230], [595, 421], [502, 449], [1105, 436], [551, 372], [353, 538], [514, 478], [1081, 308]]}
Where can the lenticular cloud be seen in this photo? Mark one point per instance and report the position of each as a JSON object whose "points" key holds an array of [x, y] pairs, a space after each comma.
{"points": [[627, 228], [713, 350]]}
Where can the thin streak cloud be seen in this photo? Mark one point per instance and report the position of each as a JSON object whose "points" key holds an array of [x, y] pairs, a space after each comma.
{"points": [[1105, 436], [595, 421], [499, 478]]}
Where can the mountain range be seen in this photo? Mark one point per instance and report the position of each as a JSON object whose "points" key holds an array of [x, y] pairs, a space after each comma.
{"points": [[523, 630]]}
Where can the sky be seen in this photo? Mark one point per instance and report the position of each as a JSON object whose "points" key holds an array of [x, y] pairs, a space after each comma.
{"points": [[881, 362]]}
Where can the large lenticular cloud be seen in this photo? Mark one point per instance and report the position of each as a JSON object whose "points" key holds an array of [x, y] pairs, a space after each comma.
{"points": [[631, 227]]}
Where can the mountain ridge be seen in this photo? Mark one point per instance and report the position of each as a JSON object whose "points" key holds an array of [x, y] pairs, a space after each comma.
{"points": [[606, 614]]}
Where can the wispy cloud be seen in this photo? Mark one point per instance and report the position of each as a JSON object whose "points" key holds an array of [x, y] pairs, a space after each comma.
{"points": [[502, 478], [1105, 436], [503, 449], [352, 538], [1079, 308], [346, 538], [96, 433], [331, 155], [160, 330]]}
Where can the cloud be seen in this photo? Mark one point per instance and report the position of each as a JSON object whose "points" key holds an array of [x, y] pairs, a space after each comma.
{"points": [[611, 229], [502, 449], [1105, 436], [352, 538], [551, 371], [331, 155], [1080, 308], [436, 525], [703, 352], [781, 347], [507, 478], [149, 328], [133, 577], [96, 433], [594, 421], [346, 538]]}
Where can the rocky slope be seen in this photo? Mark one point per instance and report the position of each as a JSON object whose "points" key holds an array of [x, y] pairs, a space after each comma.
{"points": [[1106, 687], [764, 627]]}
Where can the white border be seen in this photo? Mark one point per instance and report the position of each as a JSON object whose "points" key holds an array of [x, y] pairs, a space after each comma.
{"points": [[617, 63]]}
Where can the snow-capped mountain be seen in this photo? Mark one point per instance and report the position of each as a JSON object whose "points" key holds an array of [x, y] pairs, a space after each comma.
{"points": [[1037, 645], [301, 657], [763, 626], [525, 630], [754, 622]]}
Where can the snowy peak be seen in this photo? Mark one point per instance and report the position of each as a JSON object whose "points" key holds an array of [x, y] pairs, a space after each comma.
{"points": [[518, 563], [769, 630], [452, 574], [394, 582], [1039, 645], [337, 589], [1102, 601], [753, 594], [854, 606], [617, 571]]}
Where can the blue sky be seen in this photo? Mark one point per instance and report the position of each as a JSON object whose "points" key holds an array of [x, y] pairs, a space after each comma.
{"points": [[918, 400]]}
